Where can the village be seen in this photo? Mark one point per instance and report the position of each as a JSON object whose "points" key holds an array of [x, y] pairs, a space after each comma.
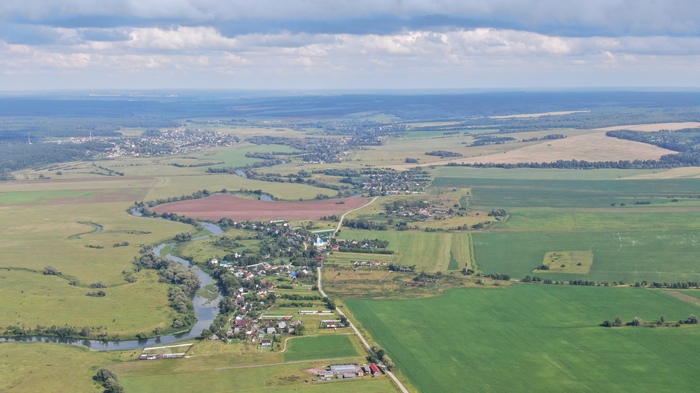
{"points": [[159, 142]]}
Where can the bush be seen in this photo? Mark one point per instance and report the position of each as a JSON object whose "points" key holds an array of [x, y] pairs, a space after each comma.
{"points": [[51, 271], [98, 284]]}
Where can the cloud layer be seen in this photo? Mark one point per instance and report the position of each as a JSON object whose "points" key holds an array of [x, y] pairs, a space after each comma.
{"points": [[343, 44]]}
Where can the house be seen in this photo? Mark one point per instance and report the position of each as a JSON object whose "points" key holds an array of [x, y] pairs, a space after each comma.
{"points": [[271, 331], [282, 325], [266, 343], [214, 261]]}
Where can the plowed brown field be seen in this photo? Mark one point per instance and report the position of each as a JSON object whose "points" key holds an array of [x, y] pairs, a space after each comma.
{"points": [[235, 208]]}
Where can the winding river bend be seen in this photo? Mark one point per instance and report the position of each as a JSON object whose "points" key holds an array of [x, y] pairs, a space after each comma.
{"points": [[204, 309]]}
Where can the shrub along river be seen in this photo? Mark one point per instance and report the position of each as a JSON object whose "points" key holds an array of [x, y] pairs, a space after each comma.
{"points": [[204, 309]]}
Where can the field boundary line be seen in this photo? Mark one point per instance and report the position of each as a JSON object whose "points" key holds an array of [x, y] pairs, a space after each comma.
{"points": [[357, 331]]}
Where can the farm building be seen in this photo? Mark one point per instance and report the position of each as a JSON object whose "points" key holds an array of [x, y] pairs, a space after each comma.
{"points": [[315, 312], [331, 323], [375, 370], [342, 368]]}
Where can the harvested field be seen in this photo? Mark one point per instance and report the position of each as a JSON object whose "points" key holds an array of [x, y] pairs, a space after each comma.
{"points": [[653, 127], [218, 206], [592, 147]]}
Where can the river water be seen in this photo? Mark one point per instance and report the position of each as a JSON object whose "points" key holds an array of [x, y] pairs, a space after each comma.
{"points": [[204, 309]]}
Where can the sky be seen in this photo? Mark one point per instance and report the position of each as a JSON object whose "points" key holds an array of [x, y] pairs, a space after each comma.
{"points": [[348, 44]]}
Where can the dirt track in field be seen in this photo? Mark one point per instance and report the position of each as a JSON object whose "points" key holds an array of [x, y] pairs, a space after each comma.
{"points": [[235, 208], [683, 297]]}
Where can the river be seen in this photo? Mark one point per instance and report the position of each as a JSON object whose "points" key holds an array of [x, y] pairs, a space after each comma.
{"points": [[204, 309]]}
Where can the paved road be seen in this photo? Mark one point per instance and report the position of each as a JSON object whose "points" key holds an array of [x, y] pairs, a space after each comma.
{"points": [[364, 342]]}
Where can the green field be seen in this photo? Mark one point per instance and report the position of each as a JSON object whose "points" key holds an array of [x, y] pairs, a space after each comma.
{"points": [[536, 174], [322, 347], [506, 193], [429, 251], [663, 256], [536, 338]]}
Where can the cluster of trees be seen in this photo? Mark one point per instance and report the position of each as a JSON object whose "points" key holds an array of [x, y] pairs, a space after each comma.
{"points": [[482, 140], [428, 277], [51, 271], [14, 157], [498, 276], [289, 296], [443, 153], [296, 304], [365, 224], [545, 138], [637, 321], [378, 355], [226, 242], [401, 268], [96, 294], [195, 195], [330, 304], [65, 331], [122, 244], [176, 164], [183, 237], [365, 250], [170, 272], [411, 160], [498, 213], [402, 204], [685, 140], [109, 381]]}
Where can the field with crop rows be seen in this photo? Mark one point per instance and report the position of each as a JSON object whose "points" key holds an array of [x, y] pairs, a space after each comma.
{"points": [[536, 338]]}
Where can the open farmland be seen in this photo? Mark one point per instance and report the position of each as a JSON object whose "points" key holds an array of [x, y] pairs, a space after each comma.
{"points": [[428, 251], [169, 186], [321, 347], [545, 338], [645, 255], [218, 206], [505, 193], [593, 147], [653, 127]]}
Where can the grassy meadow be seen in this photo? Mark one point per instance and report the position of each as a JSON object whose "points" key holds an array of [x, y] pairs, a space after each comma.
{"points": [[322, 347], [44, 367], [535, 338], [279, 378], [126, 310]]}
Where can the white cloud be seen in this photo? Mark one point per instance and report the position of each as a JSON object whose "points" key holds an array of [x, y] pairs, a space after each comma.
{"points": [[180, 38]]}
